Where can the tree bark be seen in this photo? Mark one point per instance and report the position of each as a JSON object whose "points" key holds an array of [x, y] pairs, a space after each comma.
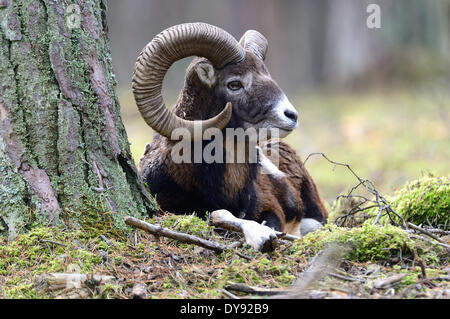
{"points": [[64, 151]]}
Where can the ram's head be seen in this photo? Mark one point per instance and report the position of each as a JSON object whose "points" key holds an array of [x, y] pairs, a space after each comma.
{"points": [[232, 86]]}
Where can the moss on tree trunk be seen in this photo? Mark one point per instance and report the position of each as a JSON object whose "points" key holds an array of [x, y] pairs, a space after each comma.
{"points": [[64, 152]]}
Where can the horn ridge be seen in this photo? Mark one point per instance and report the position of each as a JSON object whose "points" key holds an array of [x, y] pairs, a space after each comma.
{"points": [[169, 46], [255, 42]]}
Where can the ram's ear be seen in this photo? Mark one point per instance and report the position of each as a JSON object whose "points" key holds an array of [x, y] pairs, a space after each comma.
{"points": [[206, 73]]}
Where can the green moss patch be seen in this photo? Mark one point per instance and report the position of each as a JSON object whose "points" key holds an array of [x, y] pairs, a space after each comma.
{"points": [[425, 201], [190, 224], [370, 243], [170, 269]]}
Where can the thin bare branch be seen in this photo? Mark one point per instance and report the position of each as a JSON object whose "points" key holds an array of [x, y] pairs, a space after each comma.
{"points": [[431, 242], [423, 231], [347, 278], [158, 230], [254, 290], [380, 202], [229, 294], [53, 242]]}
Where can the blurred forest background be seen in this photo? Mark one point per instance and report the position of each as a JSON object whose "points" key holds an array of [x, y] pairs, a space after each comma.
{"points": [[377, 99]]}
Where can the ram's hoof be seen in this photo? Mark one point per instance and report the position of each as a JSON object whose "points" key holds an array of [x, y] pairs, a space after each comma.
{"points": [[258, 236]]}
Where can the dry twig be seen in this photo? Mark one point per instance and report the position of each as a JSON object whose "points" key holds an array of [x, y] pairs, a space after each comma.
{"points": [[57, 281], [379, 201], [389, 281], [229, 294], [333, 274], [423, 231], [431, 242], [158, 230], [53, 242], [253, 290]]}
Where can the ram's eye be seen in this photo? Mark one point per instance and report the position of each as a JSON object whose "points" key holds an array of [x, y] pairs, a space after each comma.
{"points": [[234, 85]]}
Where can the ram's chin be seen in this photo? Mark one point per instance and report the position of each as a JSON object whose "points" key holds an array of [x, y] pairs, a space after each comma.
{"points": [[284, 133], [265, 134], [278, 132]]}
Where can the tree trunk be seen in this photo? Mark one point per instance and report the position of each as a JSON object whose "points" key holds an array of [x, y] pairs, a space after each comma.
{"points": [[64, 152]]}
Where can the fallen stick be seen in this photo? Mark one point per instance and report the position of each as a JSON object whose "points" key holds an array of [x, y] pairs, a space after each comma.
{"points": [[109, 242], [229, 294], [436, 230], [447, 247], [389, 281], [286, 236], [57, 281], [423, 231], [339, 276], [254, 290], [53, 242], [158, 230], [435, 278]]}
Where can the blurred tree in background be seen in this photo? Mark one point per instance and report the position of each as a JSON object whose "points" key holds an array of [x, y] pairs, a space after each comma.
{"points": [[312, 43]]}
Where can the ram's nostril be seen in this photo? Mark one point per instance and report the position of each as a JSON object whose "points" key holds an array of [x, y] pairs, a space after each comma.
{"points": [[291, 115]]}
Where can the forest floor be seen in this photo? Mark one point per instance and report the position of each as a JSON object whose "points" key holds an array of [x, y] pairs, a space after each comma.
{"points": [[365, 262]]}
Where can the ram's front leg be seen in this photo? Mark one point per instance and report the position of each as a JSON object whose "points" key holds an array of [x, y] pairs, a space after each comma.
{"points": [[258, 236]]}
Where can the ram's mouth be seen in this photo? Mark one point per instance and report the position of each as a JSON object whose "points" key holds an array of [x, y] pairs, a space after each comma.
{"points": [[269, 129]]}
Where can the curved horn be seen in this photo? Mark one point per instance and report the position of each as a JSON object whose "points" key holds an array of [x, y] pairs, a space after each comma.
{"points": [[171, 45], [254, 41]]}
